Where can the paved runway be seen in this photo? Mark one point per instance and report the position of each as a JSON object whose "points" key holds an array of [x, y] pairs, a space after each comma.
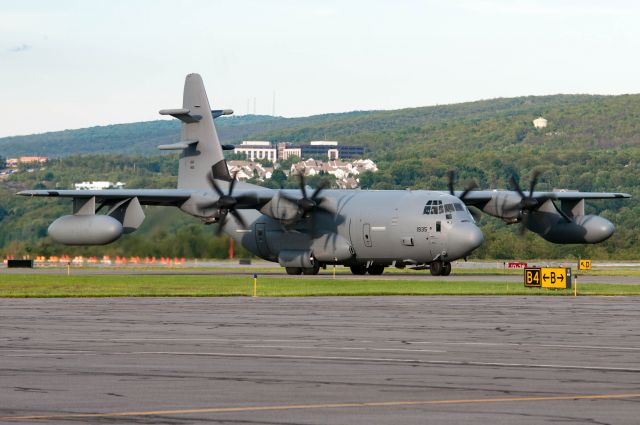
{"points": [[346, 360]]}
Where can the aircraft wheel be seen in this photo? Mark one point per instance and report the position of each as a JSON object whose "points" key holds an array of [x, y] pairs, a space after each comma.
{"points": [[446, 271], [358, 270], [375, 270], [293, 270], [436, 268], [311, 270]]}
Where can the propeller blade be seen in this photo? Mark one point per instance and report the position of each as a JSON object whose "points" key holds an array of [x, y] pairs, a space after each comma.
{"points": [[238, 218], [524, 222], [514, 184], [221, 222], [322, 186], [214, 185], [247, 200], [472, 185], [451, 175], [534, 181], [477, 215], [233, 183], [303, 189]]}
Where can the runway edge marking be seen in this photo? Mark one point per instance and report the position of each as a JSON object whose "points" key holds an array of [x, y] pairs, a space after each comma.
{"points": [[325, 406]]}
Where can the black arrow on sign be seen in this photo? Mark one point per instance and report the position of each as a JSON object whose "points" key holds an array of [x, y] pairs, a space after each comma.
{"points": [[545, 277], [560, 278]]}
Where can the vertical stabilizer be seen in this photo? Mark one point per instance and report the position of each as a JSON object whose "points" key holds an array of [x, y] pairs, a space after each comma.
{"points": [[201, 148]]}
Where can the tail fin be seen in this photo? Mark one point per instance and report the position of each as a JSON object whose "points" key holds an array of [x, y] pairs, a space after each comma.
{"points": [[200, 146]]}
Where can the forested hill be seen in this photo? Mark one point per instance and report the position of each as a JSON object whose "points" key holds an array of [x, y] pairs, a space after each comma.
{"points": [[575, 121], [591, 143], [142, 138]]}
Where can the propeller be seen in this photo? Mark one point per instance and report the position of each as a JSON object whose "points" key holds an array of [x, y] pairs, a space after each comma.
{"points": [[452, 179], [307, 204], [227, 203], [527, 202], [451, 175]]}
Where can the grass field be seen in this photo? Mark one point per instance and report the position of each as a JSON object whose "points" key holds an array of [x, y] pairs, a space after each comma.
{"points": [[29, 285]]}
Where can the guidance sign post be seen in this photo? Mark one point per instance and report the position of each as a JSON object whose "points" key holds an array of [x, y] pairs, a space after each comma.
{"points": [[547, 277]]}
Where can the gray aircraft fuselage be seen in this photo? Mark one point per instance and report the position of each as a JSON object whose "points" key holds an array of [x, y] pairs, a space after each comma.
{"points": [[367, 227]]}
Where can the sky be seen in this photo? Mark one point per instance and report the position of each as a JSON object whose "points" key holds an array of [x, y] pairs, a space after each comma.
{"points": [[72, 64]]}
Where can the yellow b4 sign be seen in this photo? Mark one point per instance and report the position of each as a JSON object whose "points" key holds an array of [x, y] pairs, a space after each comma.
{"points": [[532, 277], [584, 265], [548, 277]]}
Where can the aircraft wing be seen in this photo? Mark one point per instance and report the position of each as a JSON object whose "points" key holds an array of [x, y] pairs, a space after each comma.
{"points": [[167, 197], [480, 197]]}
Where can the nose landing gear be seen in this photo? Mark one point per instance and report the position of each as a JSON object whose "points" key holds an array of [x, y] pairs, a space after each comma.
{"points": [[440, 268]]}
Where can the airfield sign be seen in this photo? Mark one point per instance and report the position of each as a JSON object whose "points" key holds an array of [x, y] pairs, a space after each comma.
{"points": [[532, 277], [584, 264], [548, 277]]}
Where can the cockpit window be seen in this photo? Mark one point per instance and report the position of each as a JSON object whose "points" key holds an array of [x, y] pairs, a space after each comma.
{"points": [[458, 206], [427, 208], [448, 208], [433, 207]]}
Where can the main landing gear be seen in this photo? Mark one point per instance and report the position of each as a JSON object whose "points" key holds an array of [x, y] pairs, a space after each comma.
{"points": [[303, 270], [373, 269], [440, 268]]}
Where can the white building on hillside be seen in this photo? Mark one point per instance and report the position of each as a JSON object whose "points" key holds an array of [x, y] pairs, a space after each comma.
{"points": [[257, 150], [99, 185], [540, 122]]}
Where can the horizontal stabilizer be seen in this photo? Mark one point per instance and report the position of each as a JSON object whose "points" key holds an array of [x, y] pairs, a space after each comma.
{"points": [[182, 114], [219, 112], [177, 146]]}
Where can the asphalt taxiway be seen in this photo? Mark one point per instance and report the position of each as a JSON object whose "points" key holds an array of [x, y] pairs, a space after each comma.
{"points": [[355, 360]]}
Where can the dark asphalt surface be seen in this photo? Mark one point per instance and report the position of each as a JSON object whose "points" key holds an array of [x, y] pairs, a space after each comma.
{"points": [[346, 360]]}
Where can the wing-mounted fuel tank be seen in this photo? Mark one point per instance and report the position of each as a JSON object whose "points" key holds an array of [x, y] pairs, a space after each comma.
{"points": [[84, 227], [561, 224], [568, 224]]}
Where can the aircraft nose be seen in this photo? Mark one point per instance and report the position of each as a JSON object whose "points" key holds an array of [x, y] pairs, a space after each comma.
{"points": [[463, 238]]}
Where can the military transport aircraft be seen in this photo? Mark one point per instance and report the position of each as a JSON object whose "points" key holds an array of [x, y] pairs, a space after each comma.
{"points": [[366, 230]]}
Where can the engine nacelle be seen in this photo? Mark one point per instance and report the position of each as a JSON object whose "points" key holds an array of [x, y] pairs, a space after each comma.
{"points": [[85, 230], [583, 229]]}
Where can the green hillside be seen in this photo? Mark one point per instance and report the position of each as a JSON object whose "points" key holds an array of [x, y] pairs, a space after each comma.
{"points": [[143, 138], [592, 143]]}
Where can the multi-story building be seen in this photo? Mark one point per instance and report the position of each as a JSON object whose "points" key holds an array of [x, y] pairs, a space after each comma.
{"points": [[321, 149], [285, 151], [330, 150], [256, 150]]}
